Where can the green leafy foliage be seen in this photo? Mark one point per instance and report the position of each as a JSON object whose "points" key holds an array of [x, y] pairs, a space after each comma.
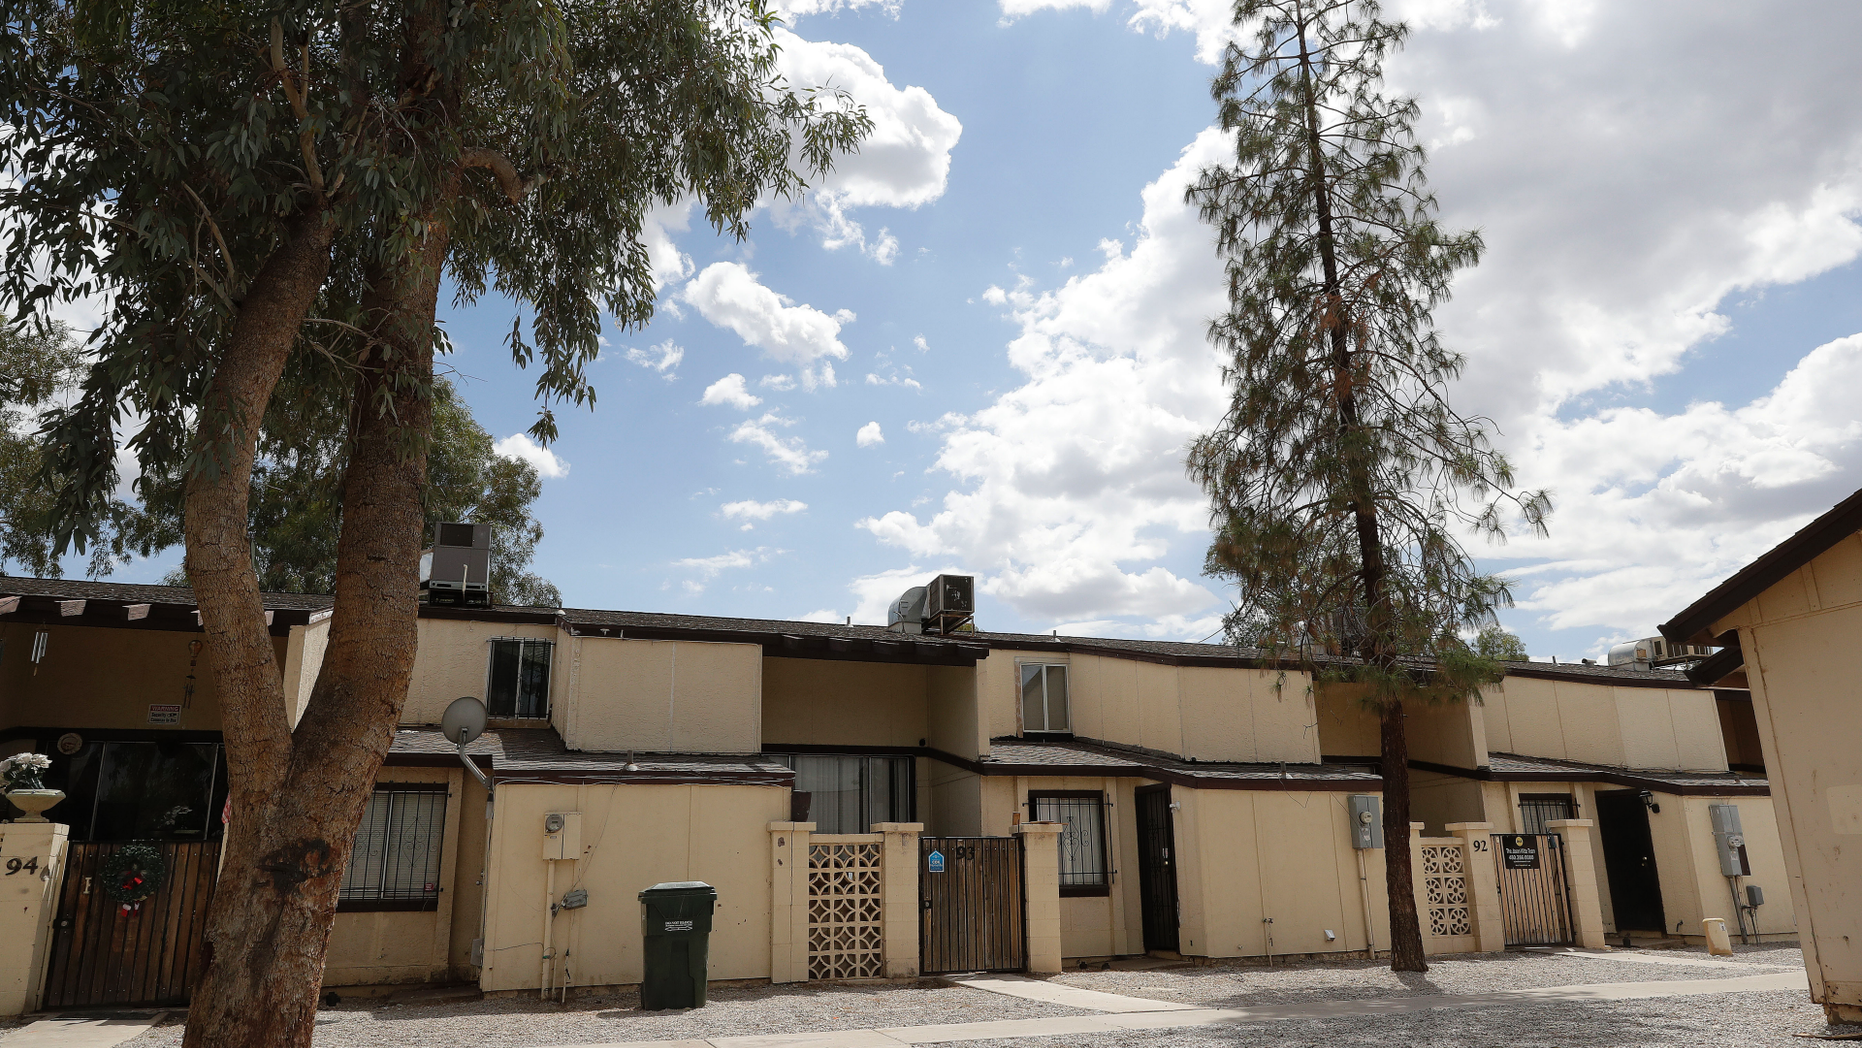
{"points": [[1340, 476], [173, 145], [36, 369], [1494, 642]]}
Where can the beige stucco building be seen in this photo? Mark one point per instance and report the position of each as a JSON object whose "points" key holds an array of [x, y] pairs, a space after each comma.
{"points": [[1161, 797], [1789, 626]]}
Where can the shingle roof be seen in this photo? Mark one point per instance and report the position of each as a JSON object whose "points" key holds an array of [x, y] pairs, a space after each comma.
{"points": [[1620, 676], [538, 754], [136, 593], [1022, 756], [1515, 767]]}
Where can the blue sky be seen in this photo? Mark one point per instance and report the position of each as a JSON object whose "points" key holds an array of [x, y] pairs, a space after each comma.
{"points": [[1665, 329]]}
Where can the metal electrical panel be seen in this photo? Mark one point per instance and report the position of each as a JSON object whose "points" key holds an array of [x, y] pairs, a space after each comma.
{"points": [[1367, 822], [1729, 840], [562, 835], [1755, 896]]}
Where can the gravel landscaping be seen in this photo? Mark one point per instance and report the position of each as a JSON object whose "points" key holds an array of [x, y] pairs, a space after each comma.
{"points": [[1253, 984], [1737, 1020], [519, 1022], [1734, 1020]]}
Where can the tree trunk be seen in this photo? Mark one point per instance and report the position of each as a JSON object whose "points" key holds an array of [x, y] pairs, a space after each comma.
{"points": [[277, 897], [1378, 647], [1399, 875]]}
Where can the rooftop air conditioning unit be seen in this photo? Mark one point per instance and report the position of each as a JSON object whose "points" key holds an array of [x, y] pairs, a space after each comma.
{"points": [[945, 606], [1654, 652], [950, 603], [457, 570]]}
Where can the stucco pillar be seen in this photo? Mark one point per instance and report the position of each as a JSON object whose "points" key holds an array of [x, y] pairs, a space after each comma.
{"points": [[1581, 877], [1419, 884], [28, 897], [1483, 874], [899, 896], [1041, 888], [788, 898]]}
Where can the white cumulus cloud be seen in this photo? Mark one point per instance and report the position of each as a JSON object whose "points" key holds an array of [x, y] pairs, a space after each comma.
{"points": [[791, 453], [663, 358], [753, 513], [729, 295], [1073, 482], [903, 162], [730, 390], [519, 446], [869, 435]]}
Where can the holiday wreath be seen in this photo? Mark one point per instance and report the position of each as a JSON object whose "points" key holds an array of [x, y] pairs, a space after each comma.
{"points": [[132, 873]]}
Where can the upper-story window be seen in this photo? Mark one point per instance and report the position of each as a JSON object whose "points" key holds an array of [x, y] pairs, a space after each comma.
{"points": [[1044, 698], [520, 678]]}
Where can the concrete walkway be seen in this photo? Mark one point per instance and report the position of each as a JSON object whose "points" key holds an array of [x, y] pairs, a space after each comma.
{"points": [[1163, 1015], [1060, 993], [80, 1031]]}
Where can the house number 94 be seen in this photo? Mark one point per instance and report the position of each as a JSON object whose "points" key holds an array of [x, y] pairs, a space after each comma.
{"points": [[17, 864]]}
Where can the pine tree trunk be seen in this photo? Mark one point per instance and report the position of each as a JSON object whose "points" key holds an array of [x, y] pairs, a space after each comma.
{"points": [[1399, 875], [1377, 647]]}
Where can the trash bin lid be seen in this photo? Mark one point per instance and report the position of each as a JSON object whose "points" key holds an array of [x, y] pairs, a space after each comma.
{"points": [[679, 888]]}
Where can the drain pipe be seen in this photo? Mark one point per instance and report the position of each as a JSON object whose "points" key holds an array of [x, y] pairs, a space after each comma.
{"points": [[1370, 928]]}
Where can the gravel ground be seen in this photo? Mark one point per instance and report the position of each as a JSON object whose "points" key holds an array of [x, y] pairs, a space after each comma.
{"points": [[1244, 985], [1734, 1020], [1725, 1021], [517, 1022]]}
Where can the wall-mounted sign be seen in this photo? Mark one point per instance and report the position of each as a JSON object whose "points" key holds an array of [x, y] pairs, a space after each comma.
{"points": [[164, 714], [934, 862], [1519, 852]]}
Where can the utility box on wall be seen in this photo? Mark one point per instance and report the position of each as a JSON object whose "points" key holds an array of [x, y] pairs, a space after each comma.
{"points": [[562, 835], [1729, 840], [1367, 822]]}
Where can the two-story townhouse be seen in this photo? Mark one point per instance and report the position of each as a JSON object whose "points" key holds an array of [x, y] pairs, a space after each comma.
{"points": [[1645, 755], [1196, 813]]}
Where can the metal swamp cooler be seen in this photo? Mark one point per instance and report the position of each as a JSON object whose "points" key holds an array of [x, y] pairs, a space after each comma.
{"points": [[675, 928]]}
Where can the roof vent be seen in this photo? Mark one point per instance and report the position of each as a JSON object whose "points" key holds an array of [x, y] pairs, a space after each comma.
{"points": [[946, 605], [457, 570]]}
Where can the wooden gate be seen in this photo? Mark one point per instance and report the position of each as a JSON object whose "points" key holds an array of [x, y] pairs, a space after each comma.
{"points": [[1535, 896], [971, 899], [151, 954]]}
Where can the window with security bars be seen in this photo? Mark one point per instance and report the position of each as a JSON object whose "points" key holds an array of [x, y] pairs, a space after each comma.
{"points": [[396, 861], [1537, 809], [519, 685], [848, 793], [1083, 867], [1044, 698]]}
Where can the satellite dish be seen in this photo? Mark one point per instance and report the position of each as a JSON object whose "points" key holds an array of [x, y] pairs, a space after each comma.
{"points": [[464, 720]]}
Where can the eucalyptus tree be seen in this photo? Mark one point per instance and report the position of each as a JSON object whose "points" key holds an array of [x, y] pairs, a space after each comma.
{"points": [[246, 184], [1341, 479]]}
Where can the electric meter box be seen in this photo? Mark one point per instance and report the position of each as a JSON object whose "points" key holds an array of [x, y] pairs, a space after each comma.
{"points": [[1367, 822], [1729, 840], [562, 835]]}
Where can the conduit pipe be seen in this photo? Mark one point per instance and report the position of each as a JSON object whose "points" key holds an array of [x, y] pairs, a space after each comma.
{"points": [[1370, 929], [549, 925]]}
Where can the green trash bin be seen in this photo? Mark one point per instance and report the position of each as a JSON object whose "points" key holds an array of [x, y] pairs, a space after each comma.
{"points": [[675, 922]]}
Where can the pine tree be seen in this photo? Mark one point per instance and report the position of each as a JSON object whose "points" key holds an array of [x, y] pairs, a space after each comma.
{"points": [[1338, 473]]}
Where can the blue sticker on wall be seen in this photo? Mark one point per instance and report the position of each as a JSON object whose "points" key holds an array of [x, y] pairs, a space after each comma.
{"points": [[935, 862]]}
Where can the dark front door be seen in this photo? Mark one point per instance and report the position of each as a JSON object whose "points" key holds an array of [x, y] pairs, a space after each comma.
{"points": [[1629, 859], [1157, 870], [970, 899]]}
